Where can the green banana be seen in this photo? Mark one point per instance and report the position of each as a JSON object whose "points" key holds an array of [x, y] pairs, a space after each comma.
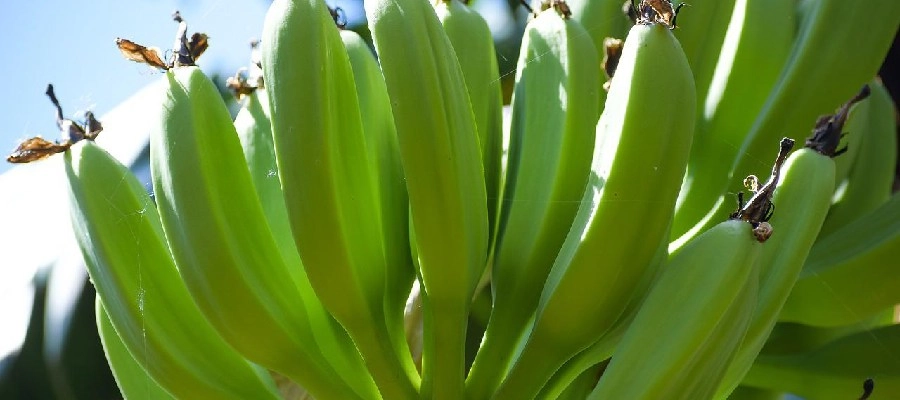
{"points": [[752, 393], [554, 114], [802, 199], [133, 381], [601, 19], [439, 149], [837, 370], [474, 47], [125, 251], [625, 212], [756, 45], [701, 34], [871, 178], [221, 241], [849, 274], [679, 350], [831, 32], [383, 150], [329, 182], [254, 130]]}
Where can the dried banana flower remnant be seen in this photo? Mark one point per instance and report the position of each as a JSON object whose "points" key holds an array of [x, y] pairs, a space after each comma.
{"points": [[186, 52], [38, 148], [759, 209]]}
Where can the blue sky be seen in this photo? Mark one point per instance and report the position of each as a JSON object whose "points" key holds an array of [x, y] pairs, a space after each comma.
{"points": [[72, 45]]}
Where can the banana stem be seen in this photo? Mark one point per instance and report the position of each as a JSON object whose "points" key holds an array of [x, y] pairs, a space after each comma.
{"points": [[443, 357]]}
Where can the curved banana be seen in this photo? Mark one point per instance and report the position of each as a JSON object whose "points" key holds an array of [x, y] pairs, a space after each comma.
{"points": [[624, 215], [850, 274], [679, 349], [554, 114], [439, 148], [474, 47], [870, 180], [383, 150], [222, 243], [802, 199], [129, 263], [329, 181], [831, 33], [837, 370], [131, 378], [755, 48]]}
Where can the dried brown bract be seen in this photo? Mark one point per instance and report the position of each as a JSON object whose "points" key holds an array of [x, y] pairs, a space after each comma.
{"points": [[185, 52], [612, 52], [759, 208], [656, 12], [247, 80], [827, 134], [38, 148], [559, 5]]}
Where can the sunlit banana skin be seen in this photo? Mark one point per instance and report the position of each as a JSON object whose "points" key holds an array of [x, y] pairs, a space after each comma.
{"points": [[678, 350], [206, 201], [850, 275], [329, 181], [128, 260], [554, 114], [642, 144], [473, 45], [756, 45], [802, 200], [701, 30], [440, 152]]}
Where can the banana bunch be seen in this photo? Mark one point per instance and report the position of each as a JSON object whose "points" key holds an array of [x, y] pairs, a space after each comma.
{"points": [[332, 239]]}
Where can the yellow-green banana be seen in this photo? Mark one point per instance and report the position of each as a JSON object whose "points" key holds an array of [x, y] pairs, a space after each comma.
{"points": [[756, 45], [701, 30], [601, 19], [132, 380], [439, 149], [128, 260], [474, 47], [871, 176], [254, 130], [678, 349], [383, 150], [850, 274], [329, 181], [221, 240], [554, 114], [642, 143], [836, 370]]}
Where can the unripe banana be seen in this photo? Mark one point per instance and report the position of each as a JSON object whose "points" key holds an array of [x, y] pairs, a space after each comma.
{"points": [[254, 130], [755, 48], [131, 378], [871, 178], [601, 19], [837, 370], [383, 150], [701, 31], [554, 114], [679, 349], [439, 148], [128, 260], [850, 274], [473, 45], [831, 32], [802, 200], [626, 209], [221, 241], [328, 181]]}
